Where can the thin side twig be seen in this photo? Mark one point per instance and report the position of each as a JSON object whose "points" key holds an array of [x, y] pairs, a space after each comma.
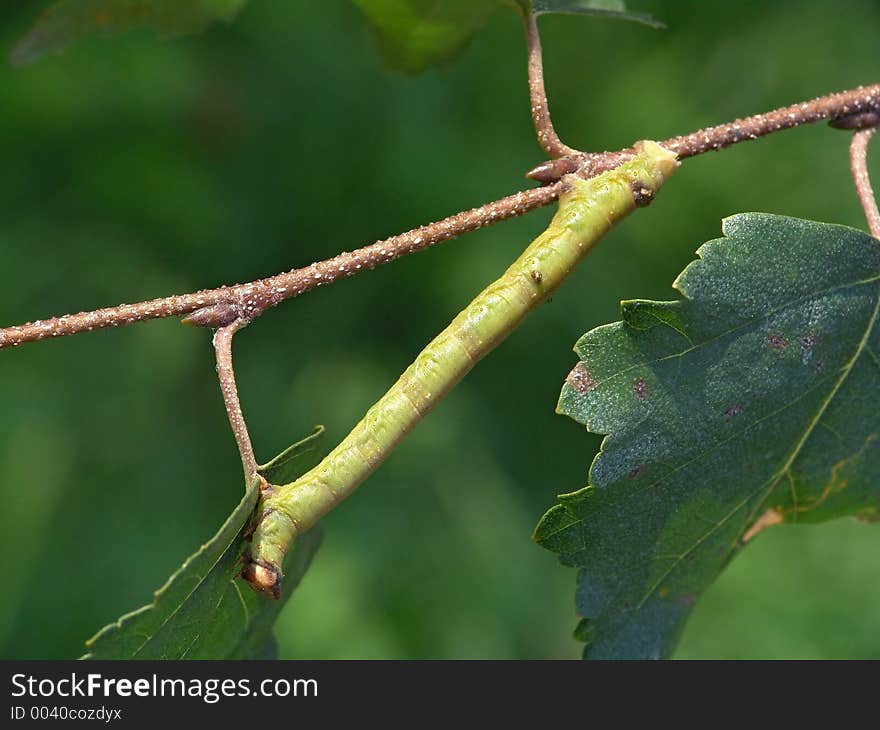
{"points": [[226, 375], [858, 162], [547, 137]]}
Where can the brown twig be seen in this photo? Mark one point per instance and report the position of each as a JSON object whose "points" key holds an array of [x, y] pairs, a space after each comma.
{"points": [[547, 137], [251, 299], [845, 104], [858, 162], [832, 106], [226, 375]]}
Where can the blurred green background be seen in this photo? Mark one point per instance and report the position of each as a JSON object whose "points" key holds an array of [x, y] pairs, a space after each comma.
{"points": [[139, 167]]}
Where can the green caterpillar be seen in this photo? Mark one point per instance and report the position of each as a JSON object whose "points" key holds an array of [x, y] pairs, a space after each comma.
{"points": [[587, 210]]}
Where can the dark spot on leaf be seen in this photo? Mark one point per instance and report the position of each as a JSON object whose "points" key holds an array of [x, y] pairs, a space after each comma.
{"points": [[686, 600], [581, 379], [777, 342], [640, 388], [537, 276], [641, 193], [636, 471], [818, 367], [732, 411]]}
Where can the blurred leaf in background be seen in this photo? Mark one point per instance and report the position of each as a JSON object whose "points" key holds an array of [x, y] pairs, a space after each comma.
{"points": [[139, 167], [616, 9], [414, 35], [67, 21]]}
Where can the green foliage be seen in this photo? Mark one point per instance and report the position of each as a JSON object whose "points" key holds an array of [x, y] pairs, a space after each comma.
{"points": [[416, 34], [67, 21], [750, 399], [223, 189], [204, 611], [602, 8]]}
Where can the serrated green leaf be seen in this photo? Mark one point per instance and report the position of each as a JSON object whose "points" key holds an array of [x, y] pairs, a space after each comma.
{"points": [[750, 401], [67, 21], [204, 611]]}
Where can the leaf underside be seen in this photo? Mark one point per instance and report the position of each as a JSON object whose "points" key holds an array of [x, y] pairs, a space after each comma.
{"points": [[204, 611], [416, 34], [67, 21], [747, 403], [603, 8]]}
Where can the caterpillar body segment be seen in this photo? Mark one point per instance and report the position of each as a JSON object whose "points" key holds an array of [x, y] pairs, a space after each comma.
{"points": [[587, 210]]}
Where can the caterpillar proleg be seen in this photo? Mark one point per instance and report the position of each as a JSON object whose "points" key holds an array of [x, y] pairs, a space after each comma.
{"points": [[587, 210]]}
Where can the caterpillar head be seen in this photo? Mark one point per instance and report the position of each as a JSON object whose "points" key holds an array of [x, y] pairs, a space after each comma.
{"points": [[263, 577]]}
